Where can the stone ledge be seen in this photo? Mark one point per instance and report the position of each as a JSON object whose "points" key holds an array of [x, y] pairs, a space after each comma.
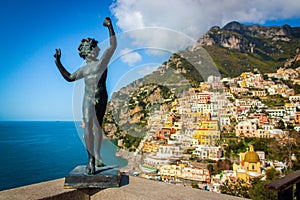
{"points": [[137, 189], [45, 190]]}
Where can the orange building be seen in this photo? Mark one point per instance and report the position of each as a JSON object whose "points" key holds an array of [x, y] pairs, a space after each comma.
{"points": [[297, 117], [262, 118]]}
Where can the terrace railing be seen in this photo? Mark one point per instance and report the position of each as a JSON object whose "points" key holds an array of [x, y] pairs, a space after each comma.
{"points": [[287, 187]]}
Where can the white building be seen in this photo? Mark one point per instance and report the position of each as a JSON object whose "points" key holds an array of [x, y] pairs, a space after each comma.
{"points": [[294, 98], [224, 119], [208, 152], [276, 112], [168, 151], [154, 161]]}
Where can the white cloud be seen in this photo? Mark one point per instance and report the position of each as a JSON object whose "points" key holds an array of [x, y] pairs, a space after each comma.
{"points": [[135, 73], [193, 17], [130, 57], [147, 70]]}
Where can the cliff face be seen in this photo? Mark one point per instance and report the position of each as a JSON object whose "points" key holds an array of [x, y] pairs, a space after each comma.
{"points": [[223, 38], [242, 37], [237, 47]]}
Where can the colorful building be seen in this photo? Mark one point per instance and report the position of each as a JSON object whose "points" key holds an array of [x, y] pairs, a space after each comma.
{"points": [[176, 172], [245, 129], [249, 166], [208, 133]]}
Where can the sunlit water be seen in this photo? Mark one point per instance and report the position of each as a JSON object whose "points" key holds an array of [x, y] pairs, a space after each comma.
{"points": [[32, 152]]}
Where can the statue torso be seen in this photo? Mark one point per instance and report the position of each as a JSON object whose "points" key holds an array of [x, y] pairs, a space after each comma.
{"points": [[95, 80]]}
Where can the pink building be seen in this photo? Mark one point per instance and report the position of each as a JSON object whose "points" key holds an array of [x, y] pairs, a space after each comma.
{"points": [[245, 129]]}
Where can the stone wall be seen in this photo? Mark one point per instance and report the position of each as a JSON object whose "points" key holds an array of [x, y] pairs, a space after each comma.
{"points": [[134, 189]]}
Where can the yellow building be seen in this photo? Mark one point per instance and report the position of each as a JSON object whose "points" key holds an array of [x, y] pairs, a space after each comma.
{"points": [[169, 122], [174, 106], [243, 83], [208, 133], [150, 147], [204, 87], [249, 166], [204, 116], [246, 74]]}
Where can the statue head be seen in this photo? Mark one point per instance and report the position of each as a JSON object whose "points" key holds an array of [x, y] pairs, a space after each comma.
{"points": [[87, 47]]}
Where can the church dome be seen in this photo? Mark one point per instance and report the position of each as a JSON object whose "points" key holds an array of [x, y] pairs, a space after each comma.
{"points": [[251, 156]]}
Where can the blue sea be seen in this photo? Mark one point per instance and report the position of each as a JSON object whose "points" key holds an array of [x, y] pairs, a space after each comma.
{"points": [[32, 152]]}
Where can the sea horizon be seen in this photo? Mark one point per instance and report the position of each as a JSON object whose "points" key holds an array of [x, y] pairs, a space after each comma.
{"points": [[37, 151]]}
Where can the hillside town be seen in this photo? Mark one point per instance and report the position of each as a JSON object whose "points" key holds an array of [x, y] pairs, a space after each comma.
{"points": [[189, 140]]}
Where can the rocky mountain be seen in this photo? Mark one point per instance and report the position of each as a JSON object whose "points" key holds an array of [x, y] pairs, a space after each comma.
{"points": [[226, 51], [237, 47]]}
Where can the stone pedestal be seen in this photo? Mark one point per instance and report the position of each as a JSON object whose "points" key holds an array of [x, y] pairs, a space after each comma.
{"points": [[105, 177]]}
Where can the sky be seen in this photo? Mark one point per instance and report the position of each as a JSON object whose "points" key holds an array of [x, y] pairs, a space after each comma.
{"points": [[148, 32]]}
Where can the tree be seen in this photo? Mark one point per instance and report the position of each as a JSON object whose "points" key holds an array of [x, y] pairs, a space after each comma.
{"points": [[275, 150], [224, 164], [238, 188], [272, 174], [210, 168], [261, 144], [258, 192], [281, 125]]}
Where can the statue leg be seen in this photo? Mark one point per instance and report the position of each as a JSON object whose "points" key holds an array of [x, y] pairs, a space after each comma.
{"points": [[98, 134], [100, 112], [89, 138]]}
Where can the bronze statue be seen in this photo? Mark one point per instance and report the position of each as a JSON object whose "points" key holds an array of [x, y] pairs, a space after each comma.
{"points": [[95, 95]]}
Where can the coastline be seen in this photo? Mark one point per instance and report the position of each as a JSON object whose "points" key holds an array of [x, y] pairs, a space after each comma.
{"points": [[133, 161]]}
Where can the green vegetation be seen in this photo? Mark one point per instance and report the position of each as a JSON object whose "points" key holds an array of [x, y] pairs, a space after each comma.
{"points": [[274, 100], [232, 62], [216, 167], [131, 142], [254, 189], [296, 64], [272, 174], [258, 191], [239, 188], [139, 105], [237, 146], [273, 149], [290, 84], [195, 184], [284, 150], [147, 97], [268, 54]]}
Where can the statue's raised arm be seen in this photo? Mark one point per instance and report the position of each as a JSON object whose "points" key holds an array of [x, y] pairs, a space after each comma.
{"points": [[112, 40]]}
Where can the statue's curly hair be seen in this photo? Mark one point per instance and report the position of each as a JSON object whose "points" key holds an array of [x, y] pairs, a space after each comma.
{"points": [[86, 46]]}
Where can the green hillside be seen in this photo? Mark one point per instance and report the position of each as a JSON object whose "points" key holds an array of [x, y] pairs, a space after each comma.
{"points": [[237, 48]]}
